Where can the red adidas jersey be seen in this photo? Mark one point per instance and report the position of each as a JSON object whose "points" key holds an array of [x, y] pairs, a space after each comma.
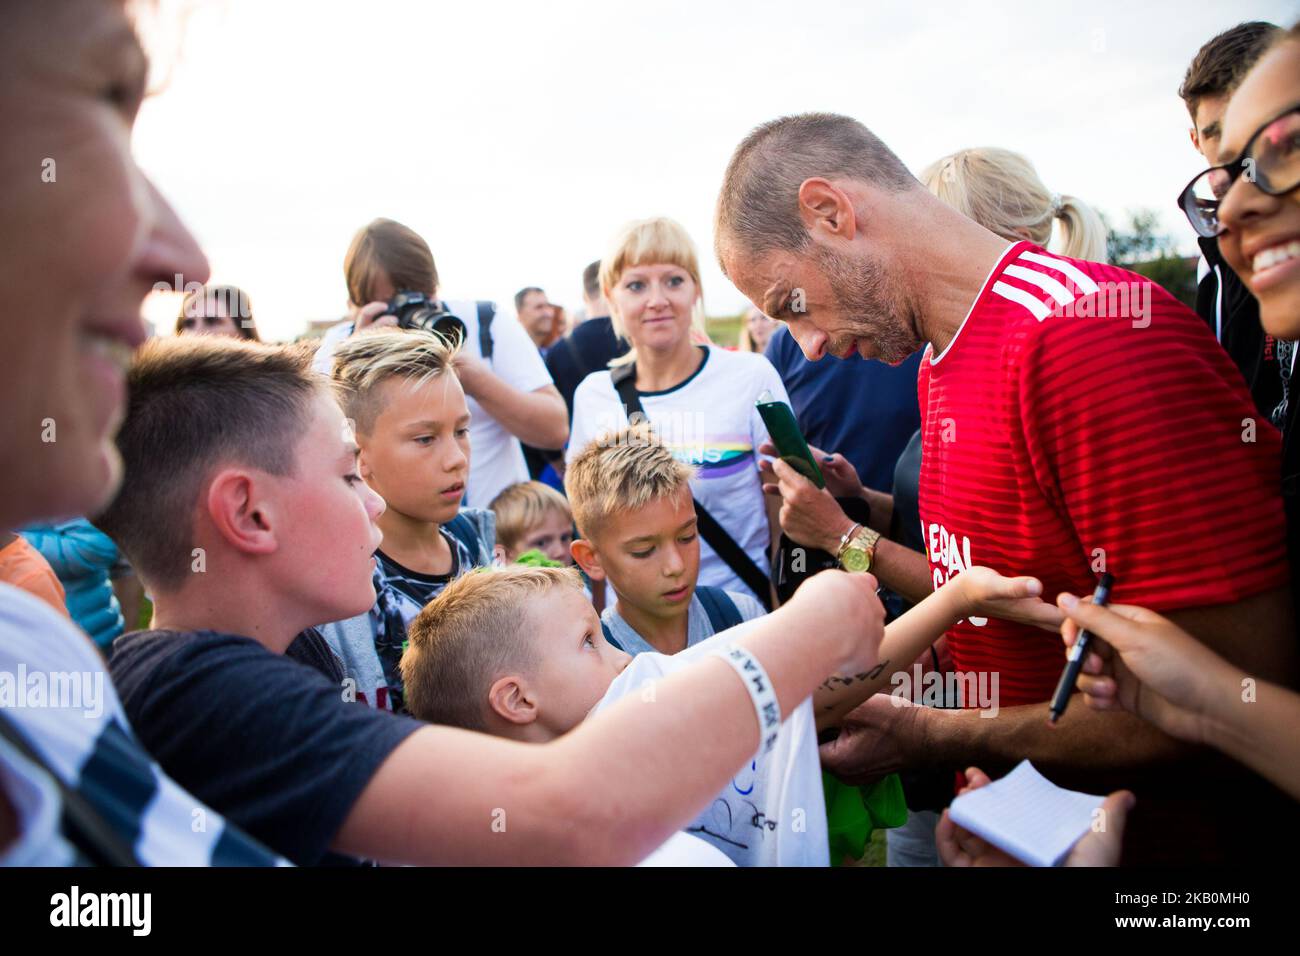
{"points": [[1081, 420]]}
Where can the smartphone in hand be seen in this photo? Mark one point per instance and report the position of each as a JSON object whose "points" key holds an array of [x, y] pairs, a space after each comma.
{"points": [[789, 441]]}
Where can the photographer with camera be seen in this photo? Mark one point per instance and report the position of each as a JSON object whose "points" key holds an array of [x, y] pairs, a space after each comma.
{"points": [[392, 281]]}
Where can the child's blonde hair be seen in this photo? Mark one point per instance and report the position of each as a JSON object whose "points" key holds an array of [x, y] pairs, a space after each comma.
{"points": [[475, 631], [658, 241], [621, 471], [366, 361], [1001, 191], [521, 506]]}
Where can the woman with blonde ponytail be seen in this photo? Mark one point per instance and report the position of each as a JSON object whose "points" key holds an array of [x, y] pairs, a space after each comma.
{"points": [[1001, 191]]}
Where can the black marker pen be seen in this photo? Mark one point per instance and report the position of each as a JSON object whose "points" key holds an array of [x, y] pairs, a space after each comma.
{"points": [[1074, 663]]}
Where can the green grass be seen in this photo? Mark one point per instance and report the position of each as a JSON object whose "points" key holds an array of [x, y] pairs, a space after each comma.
{"points": [[725, 331], [875, 855]]}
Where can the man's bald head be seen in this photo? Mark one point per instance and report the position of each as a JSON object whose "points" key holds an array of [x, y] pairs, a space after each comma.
{"points": [[758, 208]]}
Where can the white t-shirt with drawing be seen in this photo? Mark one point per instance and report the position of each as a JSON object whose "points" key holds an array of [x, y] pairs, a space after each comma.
{"points": [[773, 812]]}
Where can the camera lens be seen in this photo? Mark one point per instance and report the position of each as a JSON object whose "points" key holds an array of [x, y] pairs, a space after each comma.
{"points": [[449, 327]]}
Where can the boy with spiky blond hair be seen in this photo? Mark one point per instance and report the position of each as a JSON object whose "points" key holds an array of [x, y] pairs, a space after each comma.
{"points": [[632, 502], [401, 394]]}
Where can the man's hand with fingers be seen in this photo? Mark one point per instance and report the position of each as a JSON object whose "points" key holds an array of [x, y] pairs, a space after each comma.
{"points": [[842, 479], [809, 515], [371, 316], [875, 740], [1100, 847], [1144, 663], [471, 370]]}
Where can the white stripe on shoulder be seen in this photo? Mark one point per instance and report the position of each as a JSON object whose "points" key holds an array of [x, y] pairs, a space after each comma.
{"points": [[1024, 298], [936, 357], [1086, 285], [1060, 293]]}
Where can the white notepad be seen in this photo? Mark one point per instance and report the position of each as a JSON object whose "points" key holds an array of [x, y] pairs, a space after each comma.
{"points": [[1026, 815]]}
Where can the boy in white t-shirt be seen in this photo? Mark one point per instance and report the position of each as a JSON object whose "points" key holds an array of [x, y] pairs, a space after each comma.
{"points": [[518, 652]]}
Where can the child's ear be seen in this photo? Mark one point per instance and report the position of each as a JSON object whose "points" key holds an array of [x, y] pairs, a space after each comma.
{"points": [[499, 554], [587, 558], [363, 466], [511, 700], [241, 512]]}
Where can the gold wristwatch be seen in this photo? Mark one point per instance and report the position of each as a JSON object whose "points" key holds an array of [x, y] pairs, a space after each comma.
{"points": [[858, 549]]}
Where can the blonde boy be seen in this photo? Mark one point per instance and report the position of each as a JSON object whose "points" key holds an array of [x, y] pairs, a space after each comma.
{"points": [[531, 516], [402, 397], [636, 518]]}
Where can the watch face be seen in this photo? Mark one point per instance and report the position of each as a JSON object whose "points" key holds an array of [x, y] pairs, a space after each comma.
{"points": [[856, 560]]}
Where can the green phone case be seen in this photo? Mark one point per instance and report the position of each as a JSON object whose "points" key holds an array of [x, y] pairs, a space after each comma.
{"points": [[789, 441]]}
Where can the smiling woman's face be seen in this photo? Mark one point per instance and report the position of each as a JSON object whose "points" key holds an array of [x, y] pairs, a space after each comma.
{"points": [[83, 238], [1262, 241]]}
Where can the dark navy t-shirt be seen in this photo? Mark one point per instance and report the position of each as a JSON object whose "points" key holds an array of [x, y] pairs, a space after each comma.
{"points": [[588, 348], [865, 410], [267, 741]]}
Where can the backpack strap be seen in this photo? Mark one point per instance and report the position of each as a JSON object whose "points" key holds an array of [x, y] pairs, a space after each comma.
{"points": [[609, 636], [718, 605], [486, 313], [463, 530], [724, 545], [83, 825]]}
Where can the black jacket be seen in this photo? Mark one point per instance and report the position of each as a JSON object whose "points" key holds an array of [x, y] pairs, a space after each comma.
{"points": [[1232, 313]]}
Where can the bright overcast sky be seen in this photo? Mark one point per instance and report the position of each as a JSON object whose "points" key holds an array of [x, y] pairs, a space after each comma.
{"points": [[517, 137]]}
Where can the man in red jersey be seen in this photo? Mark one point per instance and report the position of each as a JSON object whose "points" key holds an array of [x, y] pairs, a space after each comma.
{"points": [[1076, 418]]}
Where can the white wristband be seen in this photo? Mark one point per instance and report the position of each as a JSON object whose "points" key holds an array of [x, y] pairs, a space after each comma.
{"points": [[766, 707]]}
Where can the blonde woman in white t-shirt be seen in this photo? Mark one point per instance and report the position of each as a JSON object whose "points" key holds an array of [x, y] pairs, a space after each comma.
{"points": [[698, 397]]}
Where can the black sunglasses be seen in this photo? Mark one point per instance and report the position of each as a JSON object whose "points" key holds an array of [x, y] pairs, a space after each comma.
{"points": [[1270, 160]]}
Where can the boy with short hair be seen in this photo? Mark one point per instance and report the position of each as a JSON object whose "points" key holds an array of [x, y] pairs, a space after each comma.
{"points": [[532, 516], [400, 391], [246, 519], [636, 518], [518, 652]]}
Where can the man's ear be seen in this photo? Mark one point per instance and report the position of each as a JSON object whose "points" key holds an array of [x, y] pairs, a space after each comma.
{"points": [[1196, 139], [511, 699], [241, 512], [826, 208], [587, 558]]}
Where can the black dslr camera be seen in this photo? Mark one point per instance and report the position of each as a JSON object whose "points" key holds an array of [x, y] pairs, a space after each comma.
{"points": [[415, 310]]}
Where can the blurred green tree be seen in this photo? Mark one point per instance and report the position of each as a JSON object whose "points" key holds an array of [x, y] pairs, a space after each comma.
{"points": [[1143, 248]]}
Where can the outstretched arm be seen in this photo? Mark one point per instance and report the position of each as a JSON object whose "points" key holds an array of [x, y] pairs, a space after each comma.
{"points": [[614, 788], [978, 591]]}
